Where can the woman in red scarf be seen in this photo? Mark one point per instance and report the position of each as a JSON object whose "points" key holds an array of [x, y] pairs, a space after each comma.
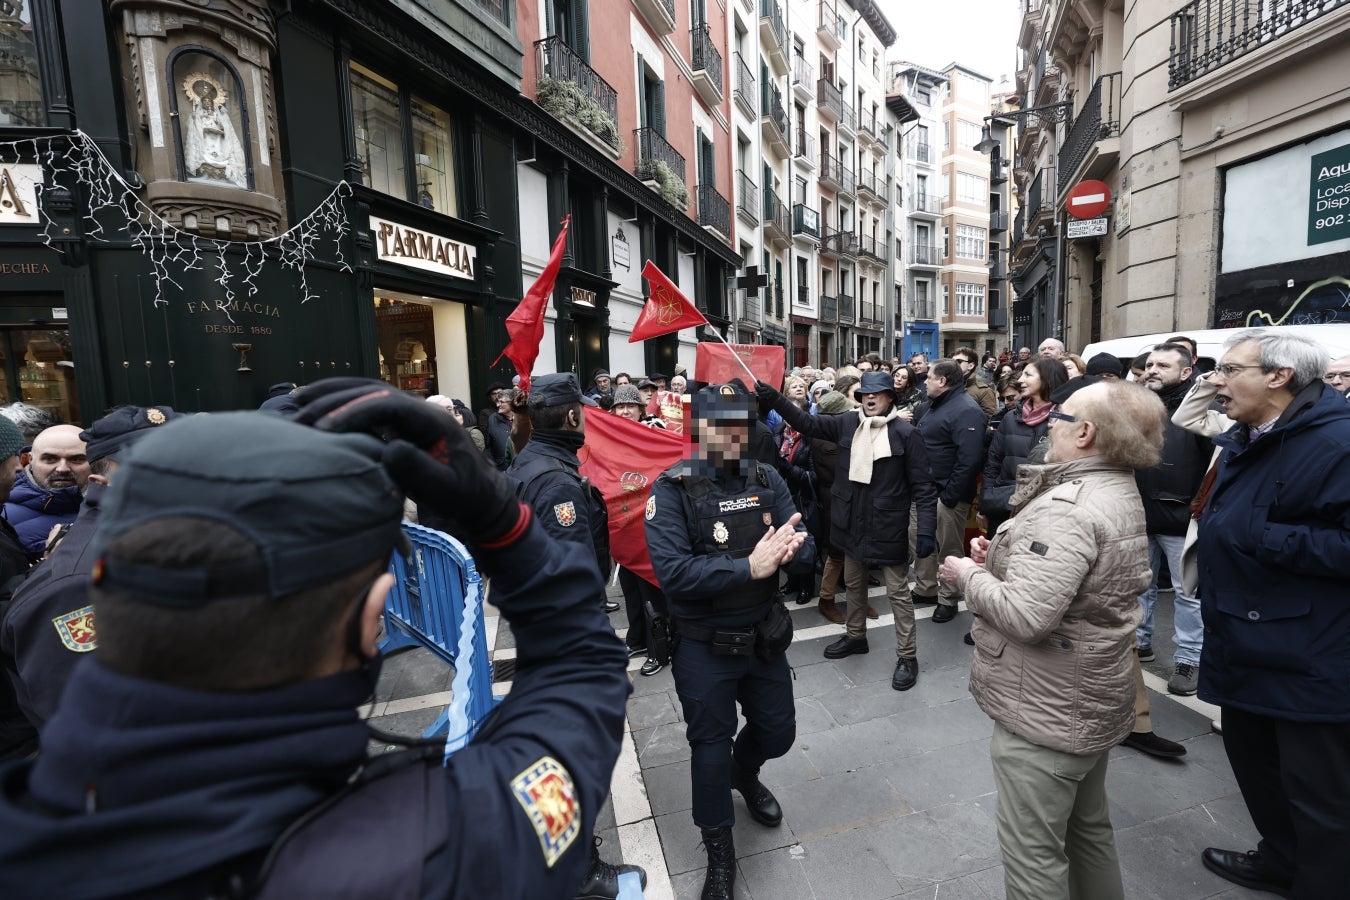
{"points": [[1022, 427]]}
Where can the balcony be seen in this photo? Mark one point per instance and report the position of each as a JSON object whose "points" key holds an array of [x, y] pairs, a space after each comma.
{"points": [[829, 309], [773, 35], [803, 295], [804, 149], [750, 311], [1040, 200], [775, 220], [773, 119], [1209, 34], [1031, 22], [572, 92], [829, 101], [868, 189], [1018, 226], [871, 248], [714, 212], [830, 171], [1093, 137], [848, 122], [867, 127], [870, 315], [706, 63], [805, 222], [925, 206], [743, 91], [747, 198], [660, 14], [830, 26], [997, 267], [998, 222], [920, 309], [838, 244], [660, 166], [919, 151], [924, 255], [803, 79], [848, 310]]}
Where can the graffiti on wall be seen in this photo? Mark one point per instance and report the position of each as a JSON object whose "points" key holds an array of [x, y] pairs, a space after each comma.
{"points": [[1293, 294]]}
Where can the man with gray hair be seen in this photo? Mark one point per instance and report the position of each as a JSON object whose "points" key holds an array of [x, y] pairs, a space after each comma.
{"points": [[1051, 348], [1274, 586]]}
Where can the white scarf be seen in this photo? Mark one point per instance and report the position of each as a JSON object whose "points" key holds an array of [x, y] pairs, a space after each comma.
{"points": [[871, 442]]}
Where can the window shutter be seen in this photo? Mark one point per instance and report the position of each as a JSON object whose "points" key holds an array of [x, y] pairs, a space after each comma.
{"points": [[702, 160], [709, 161], [659, 108], [581, 42]]}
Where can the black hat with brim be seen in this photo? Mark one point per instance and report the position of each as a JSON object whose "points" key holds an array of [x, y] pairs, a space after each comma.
{"points": [[875, 383]]}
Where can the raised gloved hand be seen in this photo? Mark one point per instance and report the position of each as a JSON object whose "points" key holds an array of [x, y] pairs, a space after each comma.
{"points": [[766, 392], [924, 546], [428, 454]]}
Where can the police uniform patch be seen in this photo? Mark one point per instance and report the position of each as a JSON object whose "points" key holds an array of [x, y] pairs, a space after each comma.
{"points": [[651, 508], [566, 514], [768, 518], [545, 792], [155, 417], [77, 629], [720, 533]]}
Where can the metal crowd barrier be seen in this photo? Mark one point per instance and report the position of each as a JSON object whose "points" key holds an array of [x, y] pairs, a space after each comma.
{"points": [[437, 603]]}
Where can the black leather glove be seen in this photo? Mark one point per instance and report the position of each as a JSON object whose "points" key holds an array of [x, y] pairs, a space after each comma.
{"points": [[766, 392], [924, 546], [428, 454]]}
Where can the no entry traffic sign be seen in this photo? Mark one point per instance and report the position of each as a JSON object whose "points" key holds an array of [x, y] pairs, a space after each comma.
{"points": [[1088, 199]]}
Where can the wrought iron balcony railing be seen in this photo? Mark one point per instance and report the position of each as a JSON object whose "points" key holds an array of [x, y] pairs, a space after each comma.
{"points": [[848, 309], [775, 213], [998, 221], [567, 83], [750, 310], [848, 121], [838, 243], [1209, 34], [1098, 119], [829, 309], [830, 25], [804, 145], [803, 295], [653, 148], [829, 99], [1040, 195], [747, 196], [872, 248], [771, 105], [805, 220], [704, 56], [867, 123], [924, 255], [713, 209], [772, 13], [745, 81], [802, 71], [920, 151]]}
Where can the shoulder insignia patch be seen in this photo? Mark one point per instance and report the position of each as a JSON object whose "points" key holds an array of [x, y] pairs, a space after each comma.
{"points": [[77, 629], [651, 507], [768, 519], [545, 792], [566, 514]]}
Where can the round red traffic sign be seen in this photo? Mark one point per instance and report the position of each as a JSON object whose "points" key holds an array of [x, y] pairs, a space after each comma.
{"points": [[1088, 199]]}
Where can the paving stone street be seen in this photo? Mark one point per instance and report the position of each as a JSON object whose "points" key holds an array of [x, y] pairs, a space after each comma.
{"points": [[885, 794]]}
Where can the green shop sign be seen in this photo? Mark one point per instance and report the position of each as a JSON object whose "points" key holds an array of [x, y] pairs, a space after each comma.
{"points": [[1329, 196]]}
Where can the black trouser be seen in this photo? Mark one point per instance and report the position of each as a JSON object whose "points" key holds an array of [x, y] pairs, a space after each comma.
{"points": [[709, 686], [1295, 779], [637, 593]]}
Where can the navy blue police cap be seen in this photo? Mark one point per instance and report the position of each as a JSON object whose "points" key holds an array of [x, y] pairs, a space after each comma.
{"points": [[119, 429], [317, 506], [557, 390], [725, 404]]}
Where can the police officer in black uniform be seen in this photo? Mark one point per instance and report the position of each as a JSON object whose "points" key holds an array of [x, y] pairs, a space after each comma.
{"points": [[48, 624], [568, 506], [214, 747], [719, 527]]}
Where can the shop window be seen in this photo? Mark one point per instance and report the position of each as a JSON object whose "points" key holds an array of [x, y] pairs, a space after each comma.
{"points": [[379, 132], [208, 101], [20, 88], [36, 367], [433, 157]]}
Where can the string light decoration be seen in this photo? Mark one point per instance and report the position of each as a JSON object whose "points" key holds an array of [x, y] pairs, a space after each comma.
{"points": [[168, 249]]}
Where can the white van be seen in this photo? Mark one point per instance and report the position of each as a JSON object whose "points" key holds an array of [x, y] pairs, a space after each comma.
{"points": [[1209, 342]]}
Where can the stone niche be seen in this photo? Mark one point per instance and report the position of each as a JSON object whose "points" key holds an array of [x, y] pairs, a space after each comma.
{"points": [[199, 83]]}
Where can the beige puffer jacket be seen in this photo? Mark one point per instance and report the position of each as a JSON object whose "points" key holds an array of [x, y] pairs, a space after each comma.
{"points": [[1058, 604]]}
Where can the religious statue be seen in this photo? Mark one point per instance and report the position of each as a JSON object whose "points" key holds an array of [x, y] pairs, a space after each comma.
{"points": [[212, 150]]}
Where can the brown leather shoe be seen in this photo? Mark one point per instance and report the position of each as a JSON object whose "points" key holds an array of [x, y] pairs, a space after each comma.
{"points": [[830, 611], [872, 613]]}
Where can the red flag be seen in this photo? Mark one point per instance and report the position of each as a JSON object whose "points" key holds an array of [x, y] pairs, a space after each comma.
{"points": [[666, 310], [526, 322], [623, 459], [715, 364]]}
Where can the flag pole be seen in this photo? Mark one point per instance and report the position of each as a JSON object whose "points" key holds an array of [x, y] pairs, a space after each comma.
{"points": [[736, 356]]}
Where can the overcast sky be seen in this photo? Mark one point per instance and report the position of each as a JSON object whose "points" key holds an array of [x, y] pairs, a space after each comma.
{"points": [[978, 34]]}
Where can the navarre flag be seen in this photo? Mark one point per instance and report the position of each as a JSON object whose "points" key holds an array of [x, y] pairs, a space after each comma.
{"points": [[526, 322], [716, 364], [623, 459], [670, 406], [666, 309]]}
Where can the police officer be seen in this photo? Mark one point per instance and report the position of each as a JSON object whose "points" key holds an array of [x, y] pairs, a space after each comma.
{"points": [[49, 624], [719, 527], [213, 746], [17, 736]]}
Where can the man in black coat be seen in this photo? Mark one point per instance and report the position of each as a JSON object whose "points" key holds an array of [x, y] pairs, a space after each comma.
{"points": [[953, 435], [882, 469]]}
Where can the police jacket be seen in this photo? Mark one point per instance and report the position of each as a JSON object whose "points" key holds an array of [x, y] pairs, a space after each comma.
{"points": [[870, 522], [953, 435], [1168, 488], [33, 510], [18, 737], [148, 790], [702, 525], [48, 624], [1274, 561], [568, 506]]}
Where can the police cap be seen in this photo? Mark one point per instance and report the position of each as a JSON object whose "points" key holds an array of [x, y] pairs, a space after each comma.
{"points": [[726, 404], [318, 506], [557, 390], [119, 429]]}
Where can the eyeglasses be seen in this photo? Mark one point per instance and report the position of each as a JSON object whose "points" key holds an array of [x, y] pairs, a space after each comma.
{"points": [[1062, 417], [1337, 376], [1228, 370], [1009, 398]]}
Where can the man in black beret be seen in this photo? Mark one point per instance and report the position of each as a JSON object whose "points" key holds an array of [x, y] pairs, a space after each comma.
{"points": [[48, 626]]}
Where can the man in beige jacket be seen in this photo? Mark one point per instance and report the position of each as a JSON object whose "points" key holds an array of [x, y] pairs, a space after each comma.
{"points": [[1055, 596]]}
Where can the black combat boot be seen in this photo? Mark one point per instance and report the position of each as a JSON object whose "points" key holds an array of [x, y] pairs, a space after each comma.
{"points": [[761, 803], [720, 881], [602, 879]]}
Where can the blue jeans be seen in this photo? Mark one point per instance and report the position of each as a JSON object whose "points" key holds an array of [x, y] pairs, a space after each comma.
{"points": [[1186, 609]]}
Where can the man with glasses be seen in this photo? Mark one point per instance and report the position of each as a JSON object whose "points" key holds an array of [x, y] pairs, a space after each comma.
{"points": [[1273, 555], [981, 393], [1338, 375]]}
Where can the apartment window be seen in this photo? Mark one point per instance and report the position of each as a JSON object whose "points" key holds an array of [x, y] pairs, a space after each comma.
{"points": [[946, 242], [969, 299], [568, 20], [974, 90], [972, 188], [970, 242], [20, 88], [389, 147], [946, 300], [925, 96], [967, 135], [876, 64]]}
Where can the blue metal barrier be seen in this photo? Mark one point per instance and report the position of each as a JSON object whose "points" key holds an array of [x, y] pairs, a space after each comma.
{"points": [[437, 603]]}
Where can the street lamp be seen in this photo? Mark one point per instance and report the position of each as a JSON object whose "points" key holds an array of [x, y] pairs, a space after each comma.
{"points": [[1050, 113]]}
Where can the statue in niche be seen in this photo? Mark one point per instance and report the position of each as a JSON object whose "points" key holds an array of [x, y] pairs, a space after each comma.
{"points": [[212, 150]]}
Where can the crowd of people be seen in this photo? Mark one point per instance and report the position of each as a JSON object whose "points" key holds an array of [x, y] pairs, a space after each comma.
{"points": [[1089, 495]]}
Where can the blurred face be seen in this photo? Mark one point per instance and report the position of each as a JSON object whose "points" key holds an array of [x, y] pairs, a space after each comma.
{"points": [[628, 411], [901, 379], [58, 458], [720, 442], [1029, 385], [8, 469], [1164, 369], [678, 384], [936, 386], [1072, 368], [878, 404]]}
